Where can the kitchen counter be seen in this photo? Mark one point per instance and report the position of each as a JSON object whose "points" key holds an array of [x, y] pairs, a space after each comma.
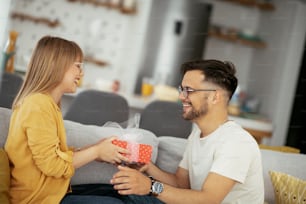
{"points": [[258, 126]]}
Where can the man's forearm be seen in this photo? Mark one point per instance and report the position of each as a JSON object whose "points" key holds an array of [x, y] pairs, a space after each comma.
{"points": [[161, 175]]}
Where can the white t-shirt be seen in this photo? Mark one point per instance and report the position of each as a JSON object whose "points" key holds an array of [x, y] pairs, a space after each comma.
{"points": [[231, 152]]}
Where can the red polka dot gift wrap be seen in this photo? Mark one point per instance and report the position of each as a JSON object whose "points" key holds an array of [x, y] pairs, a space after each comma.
{"points": [[140, 153]]}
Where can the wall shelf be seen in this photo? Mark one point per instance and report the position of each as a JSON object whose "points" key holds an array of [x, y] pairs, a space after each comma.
{"points": [[265, 6], [234, 35], [124, 6], [233, 39], [41, 20], [95, 61]]}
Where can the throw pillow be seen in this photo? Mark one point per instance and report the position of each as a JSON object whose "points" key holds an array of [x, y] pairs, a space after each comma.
{"points": [[4, 177], [288, 189]]}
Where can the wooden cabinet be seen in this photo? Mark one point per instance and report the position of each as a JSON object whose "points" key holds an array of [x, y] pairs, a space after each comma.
{"points": [[258, 128], [259, 134]]}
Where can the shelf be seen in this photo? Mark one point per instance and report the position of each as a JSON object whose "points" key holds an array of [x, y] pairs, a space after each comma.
{"points": [[265, 6], [41, 20], [233, 39], [95, 61], [124, 6]]}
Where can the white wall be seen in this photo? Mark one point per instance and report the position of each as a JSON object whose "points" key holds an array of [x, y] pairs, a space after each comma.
{"points": [[233, 16], [274, 72], [103, 33], [4, 18]]}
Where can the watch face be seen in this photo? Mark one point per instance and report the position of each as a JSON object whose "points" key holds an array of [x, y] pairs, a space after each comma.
{"points": [[157, 188]]}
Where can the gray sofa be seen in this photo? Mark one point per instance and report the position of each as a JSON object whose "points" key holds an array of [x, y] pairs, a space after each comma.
{"points": [[167, 152]]}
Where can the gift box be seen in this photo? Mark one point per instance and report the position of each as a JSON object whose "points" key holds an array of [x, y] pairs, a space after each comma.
{"points": [[139, 153]]}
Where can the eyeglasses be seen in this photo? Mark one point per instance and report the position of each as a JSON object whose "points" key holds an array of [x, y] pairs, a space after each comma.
{"points": [[187, 90], [79, 65]]}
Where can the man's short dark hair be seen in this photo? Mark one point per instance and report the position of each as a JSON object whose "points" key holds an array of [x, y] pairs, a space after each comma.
{"points": [[216, 72]]}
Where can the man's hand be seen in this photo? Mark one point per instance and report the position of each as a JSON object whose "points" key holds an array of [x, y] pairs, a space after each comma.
{"points": [[130, 181]]}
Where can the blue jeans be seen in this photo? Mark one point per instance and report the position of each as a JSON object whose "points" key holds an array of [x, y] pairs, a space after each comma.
{"points": [[90, 199], [136, 199], [104, 194], [96, 199]]}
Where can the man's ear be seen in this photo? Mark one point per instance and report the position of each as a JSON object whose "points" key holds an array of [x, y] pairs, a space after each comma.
{"points": [[216, 97], [219, 96]]}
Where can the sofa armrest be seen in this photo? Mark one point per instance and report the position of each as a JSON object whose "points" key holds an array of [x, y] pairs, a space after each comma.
{"points": [[5, 116]]}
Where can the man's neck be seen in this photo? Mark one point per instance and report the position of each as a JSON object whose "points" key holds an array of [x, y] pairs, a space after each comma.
{"points": [[207, 125]]}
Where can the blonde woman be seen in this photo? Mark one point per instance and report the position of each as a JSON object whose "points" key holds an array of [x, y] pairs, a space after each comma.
{"points": [[40, 161]]}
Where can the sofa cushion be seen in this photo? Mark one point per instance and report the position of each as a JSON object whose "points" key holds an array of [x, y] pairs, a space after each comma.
{"points": [[4, 177], [288, 189], [80, 135], [170, 152], [5, 115], [289, 163]]}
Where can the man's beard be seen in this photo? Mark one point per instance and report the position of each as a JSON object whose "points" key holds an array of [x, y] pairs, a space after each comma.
{"points": [[194, 114]]}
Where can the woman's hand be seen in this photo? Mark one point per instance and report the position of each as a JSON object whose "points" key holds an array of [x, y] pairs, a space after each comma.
{"points": [[108, 152], [131, 181]]}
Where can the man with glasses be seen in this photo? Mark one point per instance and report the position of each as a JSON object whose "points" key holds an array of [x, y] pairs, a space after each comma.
{"points": [[221, 163]]}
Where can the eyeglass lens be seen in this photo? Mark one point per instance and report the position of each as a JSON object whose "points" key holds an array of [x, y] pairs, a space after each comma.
{"points": [[183, 90]]}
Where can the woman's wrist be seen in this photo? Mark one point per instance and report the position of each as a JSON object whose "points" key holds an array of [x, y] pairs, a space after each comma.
{"points": [[95, 151]]}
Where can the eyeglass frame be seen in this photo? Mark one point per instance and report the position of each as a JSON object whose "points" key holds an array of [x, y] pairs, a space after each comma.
{"points": [[187, 90]]}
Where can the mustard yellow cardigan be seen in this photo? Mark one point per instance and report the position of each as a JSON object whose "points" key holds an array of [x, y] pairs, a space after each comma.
{"points": [[40, 160]]}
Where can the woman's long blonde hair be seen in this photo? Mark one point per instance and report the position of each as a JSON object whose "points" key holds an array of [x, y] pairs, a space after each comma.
{"points": [[49, 62]]}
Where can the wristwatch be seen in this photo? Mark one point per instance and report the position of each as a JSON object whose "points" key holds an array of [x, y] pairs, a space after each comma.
{"points": [[156, 187]]}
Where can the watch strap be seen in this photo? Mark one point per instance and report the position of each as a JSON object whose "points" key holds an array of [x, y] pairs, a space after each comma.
{"points": [[152, 182], [156, 187]]}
